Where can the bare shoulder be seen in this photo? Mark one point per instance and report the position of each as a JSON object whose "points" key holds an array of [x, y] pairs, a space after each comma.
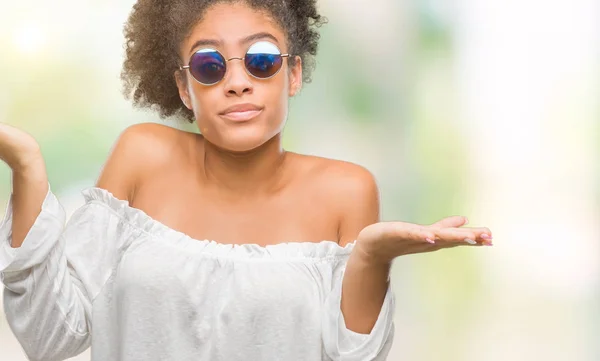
{"points": [[351, 191], [336, 173], [141, 149], [338, 177]]}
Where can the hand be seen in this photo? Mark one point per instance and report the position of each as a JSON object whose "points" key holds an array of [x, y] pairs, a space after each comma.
{"points": [[384, 241], [18, 149]]}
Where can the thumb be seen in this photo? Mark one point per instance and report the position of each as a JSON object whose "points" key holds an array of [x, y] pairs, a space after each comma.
{"points": [[452, 221]]}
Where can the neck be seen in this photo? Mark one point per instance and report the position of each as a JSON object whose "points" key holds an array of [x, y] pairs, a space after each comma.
{"points": [[244, 175]]}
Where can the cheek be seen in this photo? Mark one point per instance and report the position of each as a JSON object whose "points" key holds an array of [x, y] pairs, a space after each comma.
{"points": [[203, 102], [277, 102], [283, 104], [280, 98]]}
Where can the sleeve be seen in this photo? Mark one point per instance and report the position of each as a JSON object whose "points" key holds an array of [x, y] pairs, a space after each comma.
{"points": [[50, 282], [343, 344]]}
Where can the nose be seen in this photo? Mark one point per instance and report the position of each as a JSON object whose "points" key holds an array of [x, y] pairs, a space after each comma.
{"points": [[237, 80]]}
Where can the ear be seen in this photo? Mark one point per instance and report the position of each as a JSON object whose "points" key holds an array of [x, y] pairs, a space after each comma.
{"points": [[184, 94], [295, 77]]}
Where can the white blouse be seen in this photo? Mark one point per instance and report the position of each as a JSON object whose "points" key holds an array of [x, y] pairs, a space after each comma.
{"points": [[134, 289]]}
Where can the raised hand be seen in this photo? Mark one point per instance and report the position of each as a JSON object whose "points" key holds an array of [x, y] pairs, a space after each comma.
{"points": [[384, 241], [18, 149]]}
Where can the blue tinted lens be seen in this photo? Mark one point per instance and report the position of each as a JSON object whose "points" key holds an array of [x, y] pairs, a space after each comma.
{"points": [[207, 66], [263, 65]]}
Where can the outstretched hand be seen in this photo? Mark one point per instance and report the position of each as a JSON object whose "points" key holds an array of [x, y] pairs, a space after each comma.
{"points": [[382, 242]]}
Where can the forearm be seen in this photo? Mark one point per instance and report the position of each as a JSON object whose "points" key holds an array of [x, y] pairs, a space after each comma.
{"points": [[30, 186], [46, 299], [364, 288]]}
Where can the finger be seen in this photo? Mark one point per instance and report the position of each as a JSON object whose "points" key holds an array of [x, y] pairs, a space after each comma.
{"points": [[462, 235], [483, 235], [418, 234], [455, 235], [408, 232], [452, 221], [486, 236]]}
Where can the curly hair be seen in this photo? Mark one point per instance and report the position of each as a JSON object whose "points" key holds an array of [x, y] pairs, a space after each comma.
{"points": [[155, 29]]}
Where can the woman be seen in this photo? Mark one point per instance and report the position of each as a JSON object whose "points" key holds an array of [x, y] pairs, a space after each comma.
{"points": [[220, 246]]}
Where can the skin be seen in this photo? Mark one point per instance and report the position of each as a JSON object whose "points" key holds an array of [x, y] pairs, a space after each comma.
{"points": [[236, 184]]}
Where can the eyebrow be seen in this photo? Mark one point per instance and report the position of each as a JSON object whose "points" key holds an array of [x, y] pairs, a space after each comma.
{"points": [[247, 39]]}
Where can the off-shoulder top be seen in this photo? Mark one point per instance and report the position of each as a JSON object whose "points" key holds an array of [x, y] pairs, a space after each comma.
{"points": [[133, 289]]}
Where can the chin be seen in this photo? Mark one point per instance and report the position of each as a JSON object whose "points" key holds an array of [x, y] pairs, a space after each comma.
{"points": [[242, 146], [242, 137], [242, 141]]}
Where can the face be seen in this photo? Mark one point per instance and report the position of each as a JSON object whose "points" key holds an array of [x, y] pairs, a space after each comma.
{"points": [[227, 25]]}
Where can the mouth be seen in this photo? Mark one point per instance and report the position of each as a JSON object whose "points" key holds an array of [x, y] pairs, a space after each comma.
{"points": [[241, 116]]}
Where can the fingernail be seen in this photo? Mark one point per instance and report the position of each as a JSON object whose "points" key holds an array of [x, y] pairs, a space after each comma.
{"points": [[466, 220], [486, 236], [470, 241], [429, 240]]}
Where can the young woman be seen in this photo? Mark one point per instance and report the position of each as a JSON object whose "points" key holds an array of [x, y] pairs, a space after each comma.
{"points": [[219, 246]]}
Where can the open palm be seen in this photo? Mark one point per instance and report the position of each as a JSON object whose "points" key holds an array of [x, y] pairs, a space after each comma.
{"points": [[385, 241]]}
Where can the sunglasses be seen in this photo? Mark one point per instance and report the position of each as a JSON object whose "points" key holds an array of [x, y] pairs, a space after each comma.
{"points": [[262, 60]]}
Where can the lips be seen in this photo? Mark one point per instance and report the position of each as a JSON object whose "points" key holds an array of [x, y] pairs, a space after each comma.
{"points": [[241, 112]]}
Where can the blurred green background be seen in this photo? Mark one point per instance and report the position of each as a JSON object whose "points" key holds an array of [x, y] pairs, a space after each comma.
{"points": [[485, 109]]}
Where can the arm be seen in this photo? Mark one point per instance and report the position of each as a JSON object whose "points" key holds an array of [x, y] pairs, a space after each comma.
{"points": [[46, 307], [364, 288], [365, 282], [30, 180], [366, 299], [359, 308], [367, 271], [21, 152], [30, 186], [52, 278]]}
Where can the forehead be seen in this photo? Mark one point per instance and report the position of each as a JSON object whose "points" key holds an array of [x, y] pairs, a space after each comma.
{"points": [[225, 26]]}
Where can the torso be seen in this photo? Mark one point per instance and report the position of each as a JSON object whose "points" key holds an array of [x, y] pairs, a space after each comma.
{"points": [[300, 212]]}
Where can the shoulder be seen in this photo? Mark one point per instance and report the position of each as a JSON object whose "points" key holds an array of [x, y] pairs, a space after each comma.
{"points": [[352, 194], [338, 173], [139, 150]]}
